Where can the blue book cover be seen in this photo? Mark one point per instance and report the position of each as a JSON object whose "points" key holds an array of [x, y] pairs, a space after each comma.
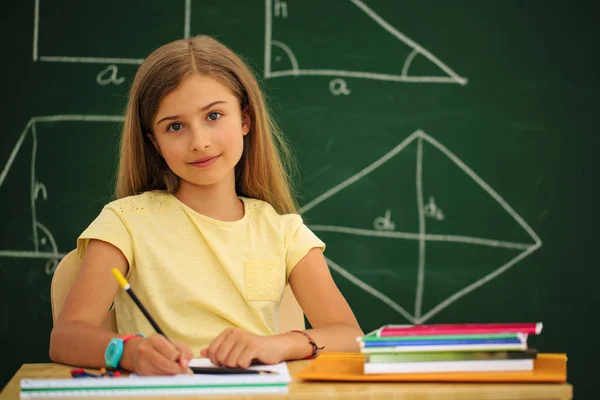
{"points": [[442, 342]]}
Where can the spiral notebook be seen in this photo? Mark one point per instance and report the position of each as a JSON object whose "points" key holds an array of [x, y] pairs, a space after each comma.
{"points": [[161, 385]]}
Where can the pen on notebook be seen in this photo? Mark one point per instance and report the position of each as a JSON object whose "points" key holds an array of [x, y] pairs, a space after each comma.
{"points": [[127, 287]]}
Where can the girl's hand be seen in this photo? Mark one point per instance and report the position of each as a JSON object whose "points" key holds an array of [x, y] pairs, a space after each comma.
{"points": [[235, 347], [158, 356]]}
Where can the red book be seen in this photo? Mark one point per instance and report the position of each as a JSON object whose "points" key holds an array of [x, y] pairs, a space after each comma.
{"points": [[531, 328]]}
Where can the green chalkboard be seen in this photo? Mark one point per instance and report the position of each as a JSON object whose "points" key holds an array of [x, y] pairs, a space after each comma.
{"points": [[447, 150]]}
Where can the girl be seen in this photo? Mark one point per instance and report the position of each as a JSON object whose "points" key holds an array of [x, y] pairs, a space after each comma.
{"points": [[204, 227]]}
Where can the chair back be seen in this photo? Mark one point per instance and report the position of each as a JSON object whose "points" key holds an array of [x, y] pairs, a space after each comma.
{"points": [[290, 313]]}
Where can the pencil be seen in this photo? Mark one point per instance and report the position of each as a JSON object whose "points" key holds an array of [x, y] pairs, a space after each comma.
{"points": [[125, 285], [197, 370], [227, 370]]}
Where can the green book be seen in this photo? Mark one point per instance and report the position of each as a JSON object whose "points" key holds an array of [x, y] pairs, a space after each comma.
{"points": [[451, 356]]}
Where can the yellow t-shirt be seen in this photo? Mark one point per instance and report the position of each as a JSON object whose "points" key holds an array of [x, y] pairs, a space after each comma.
{"points": [[197, 275]]}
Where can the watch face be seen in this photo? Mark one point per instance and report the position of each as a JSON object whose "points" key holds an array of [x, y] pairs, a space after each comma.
{"points": [[112, 350], [113, 353]]}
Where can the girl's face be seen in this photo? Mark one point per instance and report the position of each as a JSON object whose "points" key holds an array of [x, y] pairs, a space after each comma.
{"points": [[199, 130]]}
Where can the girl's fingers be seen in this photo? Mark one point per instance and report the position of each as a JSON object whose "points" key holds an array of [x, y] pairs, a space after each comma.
{"points": [[214, 347], [159, 362], [164, 347], [185, 354], [245, 358], [227, 345], [233, 356]]}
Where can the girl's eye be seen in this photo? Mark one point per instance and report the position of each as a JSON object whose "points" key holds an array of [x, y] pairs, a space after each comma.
{"points": [[213, 116], [174, 127]]}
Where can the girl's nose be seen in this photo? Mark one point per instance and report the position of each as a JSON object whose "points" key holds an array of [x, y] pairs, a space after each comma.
{"points": [[199, 139]]}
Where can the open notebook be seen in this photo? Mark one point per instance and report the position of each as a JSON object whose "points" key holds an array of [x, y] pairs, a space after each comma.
{"points": [[134, 385]]}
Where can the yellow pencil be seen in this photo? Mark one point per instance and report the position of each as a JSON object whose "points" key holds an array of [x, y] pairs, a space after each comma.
{"points": [[125, 285]]}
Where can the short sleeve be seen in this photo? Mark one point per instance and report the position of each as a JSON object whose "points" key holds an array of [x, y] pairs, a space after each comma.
{"points": [[301, 242], [108, 227]]}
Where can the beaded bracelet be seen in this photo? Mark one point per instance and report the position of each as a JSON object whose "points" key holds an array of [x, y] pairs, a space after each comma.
{"points": [[312, 343]]}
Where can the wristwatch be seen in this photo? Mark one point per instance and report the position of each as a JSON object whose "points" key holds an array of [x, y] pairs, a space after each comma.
{"points": [[114, 350]]}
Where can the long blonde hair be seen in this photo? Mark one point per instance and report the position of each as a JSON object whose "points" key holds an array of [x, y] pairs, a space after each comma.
{"points": [[263, 172]]}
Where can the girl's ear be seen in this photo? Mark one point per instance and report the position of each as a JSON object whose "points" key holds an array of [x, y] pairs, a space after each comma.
{"points": [[152, 139], [246, 121]]}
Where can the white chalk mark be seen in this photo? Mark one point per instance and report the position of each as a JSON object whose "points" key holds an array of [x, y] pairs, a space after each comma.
{"points": [[338, 86], [92, 60], [422, 236], [50, 266], [484, 185], [360, 174], [290, 55], [431, 210], [268, 36], [14, 152], [384, 223], [422, 230], [36, 29], [113, 70], [31, 254], [52, 263], [280, 9], [187, 18], [364, 75], [408, 61], [369, 289], [478, 283], [399, 35], [427, 237], [417, 49], [35, 187], [78, 117], [40, 187], [50, 237], [32, 195]]}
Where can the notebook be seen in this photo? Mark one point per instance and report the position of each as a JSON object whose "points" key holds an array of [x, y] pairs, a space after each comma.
{"points": [[134, 385], [448, 366]]}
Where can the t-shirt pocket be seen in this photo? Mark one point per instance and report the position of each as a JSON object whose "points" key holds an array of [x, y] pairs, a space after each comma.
{"points": [[265, 280]]}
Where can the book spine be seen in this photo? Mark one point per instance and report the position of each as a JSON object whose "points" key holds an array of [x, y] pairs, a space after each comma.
{"points": [[453, 329], [521, 336], [441, 342], [463, 347], [451, 356], [449, 366]]}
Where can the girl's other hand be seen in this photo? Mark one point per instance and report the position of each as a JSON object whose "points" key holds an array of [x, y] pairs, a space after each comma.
{"points": [[237, 348], [158, 356]]}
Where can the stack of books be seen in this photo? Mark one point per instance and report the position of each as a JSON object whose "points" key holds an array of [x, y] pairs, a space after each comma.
{"points": [[396, 349]]}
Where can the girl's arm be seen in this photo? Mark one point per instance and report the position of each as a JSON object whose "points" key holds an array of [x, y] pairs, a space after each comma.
{"points": [[334, 325], [77, 337]]}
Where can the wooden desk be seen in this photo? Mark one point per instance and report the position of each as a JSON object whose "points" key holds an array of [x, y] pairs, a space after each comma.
{"points": [[323, 390]]}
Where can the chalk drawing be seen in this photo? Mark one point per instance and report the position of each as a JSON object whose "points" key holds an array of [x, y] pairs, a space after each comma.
{"points": [[44, 246], [94, 60], [109, 75], [384, 223], [432, 210], [424, 210], [338, 86], [276, 11], [280, 9]]}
